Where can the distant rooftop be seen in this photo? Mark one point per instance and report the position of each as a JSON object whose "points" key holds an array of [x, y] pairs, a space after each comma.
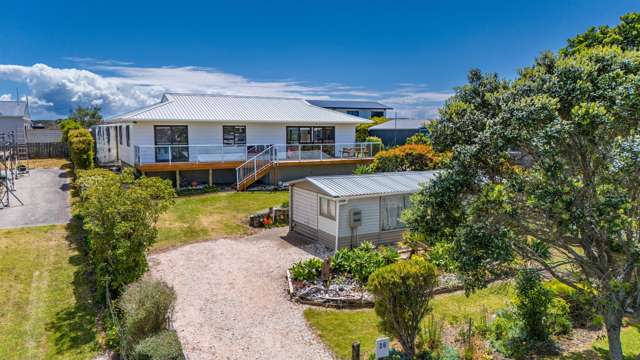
{"points": [[401, 124], [14, 108], [370, 184], [205, 107], [349, 104]]}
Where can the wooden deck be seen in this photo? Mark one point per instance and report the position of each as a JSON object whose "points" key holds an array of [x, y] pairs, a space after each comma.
{"points": [[186, 166]]}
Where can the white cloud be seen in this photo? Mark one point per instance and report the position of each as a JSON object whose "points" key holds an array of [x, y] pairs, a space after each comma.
{"points": [[118, 86]]}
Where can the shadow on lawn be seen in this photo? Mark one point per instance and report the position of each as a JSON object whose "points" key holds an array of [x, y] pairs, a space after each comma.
{"points": [[75, 326]]}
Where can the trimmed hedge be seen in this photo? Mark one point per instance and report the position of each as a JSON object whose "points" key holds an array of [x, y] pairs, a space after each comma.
{"points": [[81, 148], [408, 158]]}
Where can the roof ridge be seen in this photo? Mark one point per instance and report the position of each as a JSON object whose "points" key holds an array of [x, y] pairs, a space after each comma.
{"points": [[141, 111], [233, 96], [374, 174]]}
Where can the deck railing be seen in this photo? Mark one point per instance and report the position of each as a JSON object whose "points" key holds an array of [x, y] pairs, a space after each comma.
{"points": [[151, 154], [253, 166]]}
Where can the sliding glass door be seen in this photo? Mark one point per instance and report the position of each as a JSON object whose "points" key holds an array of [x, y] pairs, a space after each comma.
{"points": [[172, 143]]}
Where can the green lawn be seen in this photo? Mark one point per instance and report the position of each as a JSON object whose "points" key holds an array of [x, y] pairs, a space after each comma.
{"points": [[45, 306], [339, 328], [212, 216]]}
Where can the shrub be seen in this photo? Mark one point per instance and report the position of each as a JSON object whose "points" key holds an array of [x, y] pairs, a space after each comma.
{"points": [[402, 293], [306, 270], [373, 139], [198, 190], [362, 130], [363, 169], [165, 345], [558, 320], [408, 158], [362, 261], [418, 139], [145, 307], [119, 214], [440, 256], [532, 303], [81, 148], [582, 309], [68, 125]]}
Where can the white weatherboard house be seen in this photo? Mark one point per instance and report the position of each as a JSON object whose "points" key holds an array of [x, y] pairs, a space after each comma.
{"points": [[15, 121], [342, 211], [195, 139]]}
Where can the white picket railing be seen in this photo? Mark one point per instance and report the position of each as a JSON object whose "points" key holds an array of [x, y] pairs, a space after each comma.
{"points": [[253, 166]]}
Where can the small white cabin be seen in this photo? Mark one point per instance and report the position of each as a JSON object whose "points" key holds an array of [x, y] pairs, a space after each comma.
{"points": [[342, 211]]}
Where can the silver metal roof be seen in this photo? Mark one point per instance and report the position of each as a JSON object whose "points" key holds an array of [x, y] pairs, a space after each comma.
{"points": [[400, 124], [13, 109], [371, 184], [202, 107], [349, 104]]}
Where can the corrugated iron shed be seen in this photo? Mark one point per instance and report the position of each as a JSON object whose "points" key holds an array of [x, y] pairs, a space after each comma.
{"points": [[344, 186]]}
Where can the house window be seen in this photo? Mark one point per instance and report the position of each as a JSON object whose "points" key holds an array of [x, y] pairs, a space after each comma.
{"points": [[377, 114], [128, 131], [353, 112], [172, 143], [311, 135], [120, 134], [391, 208], [234, 135], [108, 130], [327, 208]]}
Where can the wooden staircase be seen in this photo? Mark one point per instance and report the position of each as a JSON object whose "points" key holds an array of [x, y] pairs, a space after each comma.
{"points": [[254, 169]]}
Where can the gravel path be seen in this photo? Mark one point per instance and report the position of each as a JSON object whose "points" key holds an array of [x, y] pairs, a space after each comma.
{"points": [[232, 302]]}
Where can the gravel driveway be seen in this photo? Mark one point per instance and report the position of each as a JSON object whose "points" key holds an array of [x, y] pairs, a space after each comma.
{"points": [[44, 193], [232, 302]]}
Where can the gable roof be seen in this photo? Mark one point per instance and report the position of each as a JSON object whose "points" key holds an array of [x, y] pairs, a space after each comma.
{"points": [[14, 109], [370, 184], [401, 124], [203, 107], [349, 104]]}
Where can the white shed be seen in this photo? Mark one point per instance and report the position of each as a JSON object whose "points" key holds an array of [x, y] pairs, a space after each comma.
{"points": [[342, 211]]}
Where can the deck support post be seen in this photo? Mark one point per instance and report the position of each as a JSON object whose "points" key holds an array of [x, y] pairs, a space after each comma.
{"points": [[210, 177], [178, 179]]}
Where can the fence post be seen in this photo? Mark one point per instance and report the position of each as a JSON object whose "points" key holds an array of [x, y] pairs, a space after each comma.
{"points": [[355, 350]]}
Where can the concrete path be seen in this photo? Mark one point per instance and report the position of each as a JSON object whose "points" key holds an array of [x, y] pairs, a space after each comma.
{"points": [[44, 193], [232, 301]]}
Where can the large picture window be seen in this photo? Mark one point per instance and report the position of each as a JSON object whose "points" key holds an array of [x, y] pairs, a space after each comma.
{"points": [[391, 208], [328, 208], [311, 135], [172, 143], [234, 135]]}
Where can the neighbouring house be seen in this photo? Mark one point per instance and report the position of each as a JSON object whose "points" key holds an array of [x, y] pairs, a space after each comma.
{"points": [[343, 211], [396, 131], [15, 121], [363, 109], [196, 139]]}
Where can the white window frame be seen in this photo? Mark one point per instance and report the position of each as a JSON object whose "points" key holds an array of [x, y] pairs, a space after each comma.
{"points": [[331, 204], [406, 201]]}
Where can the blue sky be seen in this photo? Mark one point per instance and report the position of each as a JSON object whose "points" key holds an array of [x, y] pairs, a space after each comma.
{"points": [[410, 54]]}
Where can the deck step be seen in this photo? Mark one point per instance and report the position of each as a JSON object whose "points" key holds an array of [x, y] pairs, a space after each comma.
{"points": [[244, 184]]}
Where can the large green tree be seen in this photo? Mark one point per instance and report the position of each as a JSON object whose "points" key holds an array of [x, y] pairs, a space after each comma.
{"points": [[87, 116], [546, 172]]}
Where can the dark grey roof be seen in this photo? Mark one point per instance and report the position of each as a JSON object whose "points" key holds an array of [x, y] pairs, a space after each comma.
{"points": [[400, 124], [349, 104], [13, 108], [371, 184]]}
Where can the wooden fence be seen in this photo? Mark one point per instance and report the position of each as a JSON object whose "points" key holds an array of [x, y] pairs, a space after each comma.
{"points": [[47, 150]]}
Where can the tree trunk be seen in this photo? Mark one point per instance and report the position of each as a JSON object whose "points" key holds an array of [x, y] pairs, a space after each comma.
{"points": [[613, 322]]}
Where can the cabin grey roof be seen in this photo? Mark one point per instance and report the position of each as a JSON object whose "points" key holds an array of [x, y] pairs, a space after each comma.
{"points": [[370, 184], [404, 124], [13, 109], [349, 104], [203, 107]]}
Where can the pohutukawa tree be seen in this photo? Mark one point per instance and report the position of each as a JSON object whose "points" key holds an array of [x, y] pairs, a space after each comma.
{"points": [[546, 169]]}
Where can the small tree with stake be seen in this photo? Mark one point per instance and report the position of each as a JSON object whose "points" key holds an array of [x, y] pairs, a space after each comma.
{"points": [[402, 291], [547, 169]]}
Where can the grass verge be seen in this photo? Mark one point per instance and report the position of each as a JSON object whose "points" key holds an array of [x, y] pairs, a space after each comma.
{"points": [[211, 216], [340, 328], [45, 310]]}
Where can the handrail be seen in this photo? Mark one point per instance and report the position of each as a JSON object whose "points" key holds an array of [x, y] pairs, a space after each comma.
{"points": [[254, 162]]}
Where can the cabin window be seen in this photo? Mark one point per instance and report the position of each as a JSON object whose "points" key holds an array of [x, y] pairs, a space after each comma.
{"points": [[328, 208], [234, 135], [311, 135], [120, 134], [377, 114], [128, 131], [172, 143], [391, 208], [108, 131], [353, 112]]}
